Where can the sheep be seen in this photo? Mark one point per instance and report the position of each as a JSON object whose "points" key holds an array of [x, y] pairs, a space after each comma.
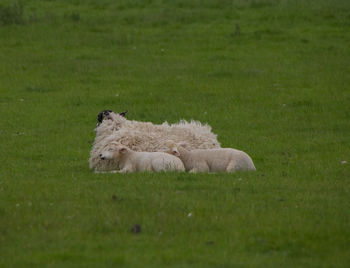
{"points": [[145, 137], [211, 160], [131, 161]]}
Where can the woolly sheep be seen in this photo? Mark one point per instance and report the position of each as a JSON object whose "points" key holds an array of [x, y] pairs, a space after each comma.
{"points": [[211, 160], [146, 137], [131, 161]]}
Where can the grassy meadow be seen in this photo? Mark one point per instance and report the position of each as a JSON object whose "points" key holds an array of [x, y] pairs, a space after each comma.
{"points": [[272, 78]]}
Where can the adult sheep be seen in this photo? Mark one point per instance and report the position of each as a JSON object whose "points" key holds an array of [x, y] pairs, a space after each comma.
{"points": [[145, 137]]}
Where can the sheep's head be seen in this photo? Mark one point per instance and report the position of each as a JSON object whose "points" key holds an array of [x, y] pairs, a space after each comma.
{"points": [[113, 151], [106, 114]]}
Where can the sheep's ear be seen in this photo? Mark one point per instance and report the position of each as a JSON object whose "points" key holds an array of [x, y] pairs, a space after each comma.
{"points": [[123, 150], [123, 113], [100, 117]]}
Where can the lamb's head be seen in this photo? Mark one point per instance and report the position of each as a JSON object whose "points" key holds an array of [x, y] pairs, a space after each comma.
{"points": [[113, 150], [172, 148]]}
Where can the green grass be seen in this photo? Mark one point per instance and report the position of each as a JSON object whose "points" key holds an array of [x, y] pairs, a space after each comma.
{"points": [[270, 76]]}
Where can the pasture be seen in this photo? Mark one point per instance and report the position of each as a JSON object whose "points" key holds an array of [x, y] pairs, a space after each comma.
{"points": [[270, 76]]}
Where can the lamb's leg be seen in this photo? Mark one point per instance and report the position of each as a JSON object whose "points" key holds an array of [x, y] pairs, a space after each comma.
{"points": [[102, 172], [242, 163], [201, 167], [232, 166], [160, 164], [126, 169], [156, 165]]}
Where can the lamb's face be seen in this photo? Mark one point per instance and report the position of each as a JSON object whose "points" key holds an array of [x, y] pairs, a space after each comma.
{"points": [[113, 151]]}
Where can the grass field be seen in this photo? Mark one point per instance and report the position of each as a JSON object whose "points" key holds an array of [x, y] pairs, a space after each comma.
{"points": [[270, 76]]}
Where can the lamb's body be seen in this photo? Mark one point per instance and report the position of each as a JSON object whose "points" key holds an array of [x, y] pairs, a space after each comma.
{"points": [[131, 161], [213, 160], [145, 161], [147, 137]]}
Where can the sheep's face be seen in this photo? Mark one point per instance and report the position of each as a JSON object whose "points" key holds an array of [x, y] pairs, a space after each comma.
{"points": [[106, 114], [113, 151]]}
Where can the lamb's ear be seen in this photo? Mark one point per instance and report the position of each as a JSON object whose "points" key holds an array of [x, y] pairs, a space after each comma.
{"points": [[169, 143], [123, 113], [175, 152], [183, 144], [123, 150]]}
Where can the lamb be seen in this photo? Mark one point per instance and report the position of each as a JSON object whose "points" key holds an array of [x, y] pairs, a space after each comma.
{"points": [[145, 137], [131, 161], [211, 160]]}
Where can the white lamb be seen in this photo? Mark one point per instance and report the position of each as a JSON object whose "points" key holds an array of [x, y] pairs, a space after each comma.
{"points": [[146, 137], [131, 161], [211, 160]]}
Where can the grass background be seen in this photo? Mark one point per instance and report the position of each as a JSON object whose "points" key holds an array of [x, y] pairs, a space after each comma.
{"points": [[270, 76]]}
